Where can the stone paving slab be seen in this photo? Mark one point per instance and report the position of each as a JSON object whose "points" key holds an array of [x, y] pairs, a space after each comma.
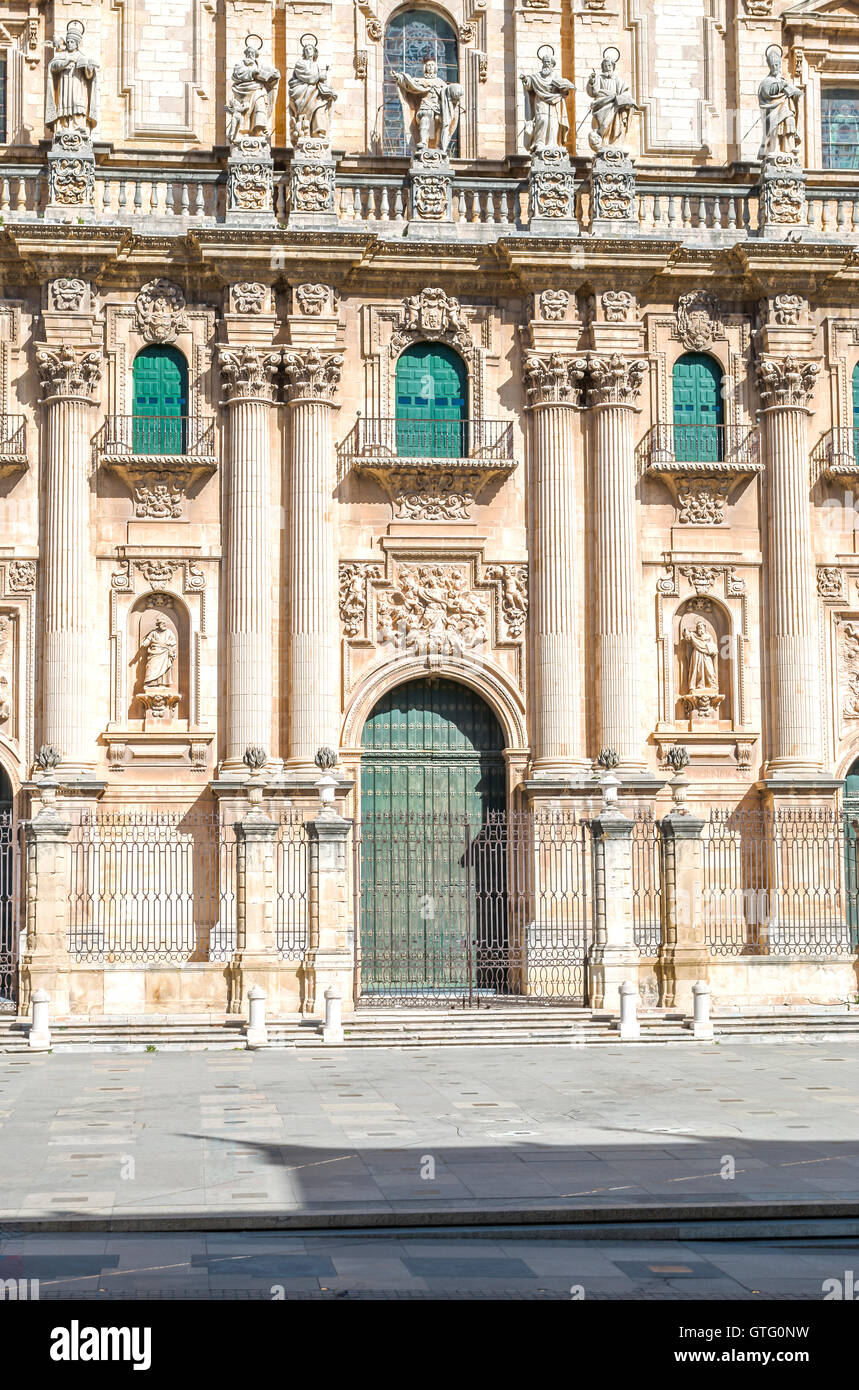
{"points": [[274, 1136]]}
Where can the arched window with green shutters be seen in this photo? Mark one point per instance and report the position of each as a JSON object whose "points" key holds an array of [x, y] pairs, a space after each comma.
{"points": [[431, 403], [160, 401], [698, 409]]}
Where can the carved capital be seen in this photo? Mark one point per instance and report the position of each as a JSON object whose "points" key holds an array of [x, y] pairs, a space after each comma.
{"points": [[68, 371], [615, 380], [787, 381], [249, 373], [554, 379], [312, 375]]}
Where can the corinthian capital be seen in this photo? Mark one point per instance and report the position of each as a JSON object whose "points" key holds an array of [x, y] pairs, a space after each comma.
{"points": [[615, 380], [312, 375], [787, 381], [249, 372], [553, 380], [67, 371]]}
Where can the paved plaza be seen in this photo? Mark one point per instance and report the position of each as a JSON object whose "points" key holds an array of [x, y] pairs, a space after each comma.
{"points": [[368, 1136]]}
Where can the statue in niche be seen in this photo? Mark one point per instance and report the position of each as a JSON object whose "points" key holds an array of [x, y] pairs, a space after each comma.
{"points": [[431, 108], [157, 654], [254, 87], [71, 101], [700, 694], [779, 103], [547, 126], [310, 95], [611, 103]]}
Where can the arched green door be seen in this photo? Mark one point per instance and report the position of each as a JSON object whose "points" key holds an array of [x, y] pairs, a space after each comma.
{"points": [[698, 409], [160, 401], [432, 403], [432, 773]]}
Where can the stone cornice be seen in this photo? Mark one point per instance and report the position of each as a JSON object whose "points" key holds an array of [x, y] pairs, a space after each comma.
{"points": [[249, 372], [312, 375], [787, 382], [68, 372]]}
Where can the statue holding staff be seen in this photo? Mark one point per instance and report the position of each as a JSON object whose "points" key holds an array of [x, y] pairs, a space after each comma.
{"points": [[778, 100], [71, 101], [254, 87]]}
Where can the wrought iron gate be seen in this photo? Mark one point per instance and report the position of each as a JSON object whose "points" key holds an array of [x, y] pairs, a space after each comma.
{"points": [[455, 911], [10, 924]]}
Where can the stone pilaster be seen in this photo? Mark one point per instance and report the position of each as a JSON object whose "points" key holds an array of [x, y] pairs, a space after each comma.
{"points": [[330, 955], [614, 386], [557, 597], [70, 377], [683, 954], [45, 962], [613, 957], [786, 387], [314, 646], [249, 374]]}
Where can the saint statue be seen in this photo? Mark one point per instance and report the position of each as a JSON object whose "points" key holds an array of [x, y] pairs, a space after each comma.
{"points": [[254, 87], [611, 103], [431, 108], [547, 124], [159, 646], [703, 652], [310, 96], [71, 101], [779, 103]]}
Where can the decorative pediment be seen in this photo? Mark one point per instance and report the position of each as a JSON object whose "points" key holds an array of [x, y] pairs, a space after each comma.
{"points": [[836, 11], [431, 315]]}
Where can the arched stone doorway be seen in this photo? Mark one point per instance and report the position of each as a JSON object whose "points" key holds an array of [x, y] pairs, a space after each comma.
{"points": [[8, 925], [432, 778]]}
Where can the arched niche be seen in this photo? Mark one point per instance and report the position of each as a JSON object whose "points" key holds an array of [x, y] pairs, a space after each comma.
{"points": [[159, 643], [703, 678], [411, 37]]}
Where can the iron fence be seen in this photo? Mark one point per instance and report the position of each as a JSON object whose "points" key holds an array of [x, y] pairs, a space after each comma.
{"points": [[152, 886], [10, 922], [451, 910], [646, 884], [150, 435], [290, 859], [780, 883], [490, 440]]}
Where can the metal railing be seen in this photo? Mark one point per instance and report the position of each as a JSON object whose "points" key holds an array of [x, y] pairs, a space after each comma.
{"points": [[677, 446], [484, 440], [646, 884], [10, 919], [152, 886], [290, 861], [13, 437], [779, 884], [190, 436], [837, 453], [450, 910]]}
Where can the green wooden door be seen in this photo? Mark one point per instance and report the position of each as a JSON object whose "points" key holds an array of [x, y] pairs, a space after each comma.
{"points": [[432, 771], [160, 401], [698, 410], [432, 403]]}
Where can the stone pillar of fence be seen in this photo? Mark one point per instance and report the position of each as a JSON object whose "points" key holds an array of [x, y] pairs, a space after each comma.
{"points": [[47, 898], [683, 954], [256, 961], [613, 956], [330, 954]]}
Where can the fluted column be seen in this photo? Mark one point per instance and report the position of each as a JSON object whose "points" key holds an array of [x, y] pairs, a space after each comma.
{"points": [[786, 387], [557, 567], [249, 379], [314, 649], [614, 386], [70, 379]]}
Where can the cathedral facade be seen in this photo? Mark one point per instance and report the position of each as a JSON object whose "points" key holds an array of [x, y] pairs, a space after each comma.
{"points": [[450, 412]]}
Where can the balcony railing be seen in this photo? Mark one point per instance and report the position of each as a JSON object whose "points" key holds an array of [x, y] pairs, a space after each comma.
{"points": [[164, 436], [837, 455], [13, 439], [482, 441], [681, 448]]}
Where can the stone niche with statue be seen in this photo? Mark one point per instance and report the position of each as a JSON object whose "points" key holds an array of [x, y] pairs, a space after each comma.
{"points": [[159, 641]]}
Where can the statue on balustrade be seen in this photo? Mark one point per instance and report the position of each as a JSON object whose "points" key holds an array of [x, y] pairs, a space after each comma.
{"points": [[310, 95], [254, 87], [779, 103], [547, 125], [71, 100], [612, 103], [431, 108]]}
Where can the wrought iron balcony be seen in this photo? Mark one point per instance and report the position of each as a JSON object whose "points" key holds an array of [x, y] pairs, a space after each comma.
{"points": [[677, 449], [13, 443], [158, 457], [837, 456], [449, 461]]}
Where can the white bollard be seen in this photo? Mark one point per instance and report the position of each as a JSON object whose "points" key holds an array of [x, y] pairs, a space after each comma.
{"points": [[332, 1030], [257, 1033], [630, 1028], [701, 1024], [40, 1028]]}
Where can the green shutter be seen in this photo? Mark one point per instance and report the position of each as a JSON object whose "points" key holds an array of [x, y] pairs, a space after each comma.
{"points": [[160, 401], [698, 410], [431, 403]]}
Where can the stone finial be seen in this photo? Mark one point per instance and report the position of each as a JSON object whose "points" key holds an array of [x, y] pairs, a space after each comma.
{"points": [[607, 759], [677, 757], [254, 758], [47, 758], [326, 758]]}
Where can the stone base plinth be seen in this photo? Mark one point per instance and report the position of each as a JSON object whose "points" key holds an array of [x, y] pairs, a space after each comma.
{"points": [[677, 970], [279, 980], [608, 968]]}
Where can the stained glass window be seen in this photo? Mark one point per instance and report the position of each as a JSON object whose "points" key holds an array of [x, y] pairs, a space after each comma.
{"points": [[841, 128], [410, 39]]}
